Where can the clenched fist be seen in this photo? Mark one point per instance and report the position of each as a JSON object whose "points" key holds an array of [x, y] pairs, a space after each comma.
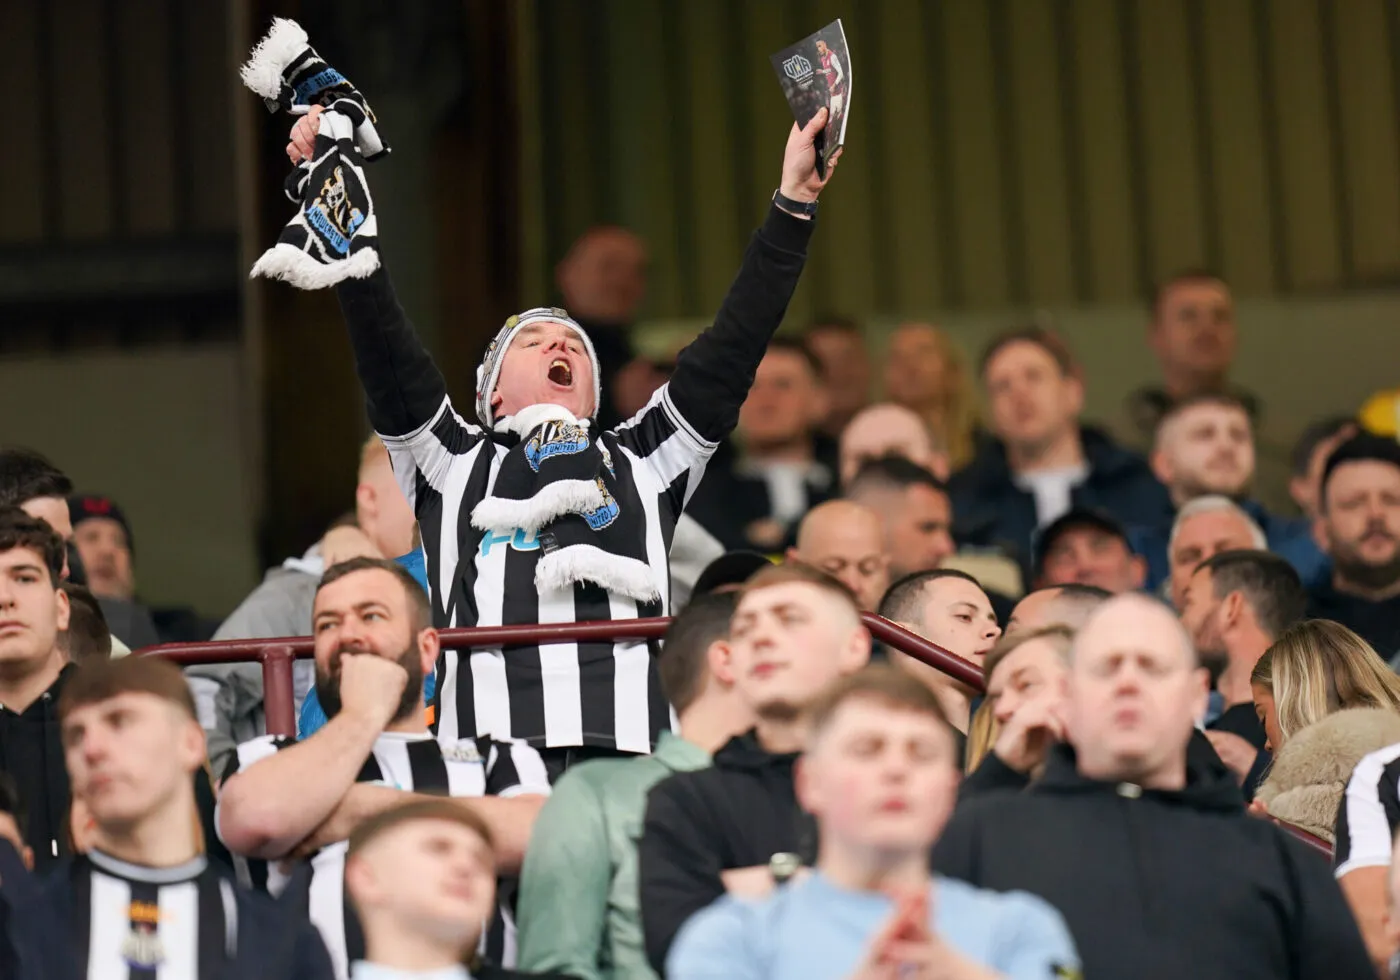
{"points": [[371, 687], [303, 136]]}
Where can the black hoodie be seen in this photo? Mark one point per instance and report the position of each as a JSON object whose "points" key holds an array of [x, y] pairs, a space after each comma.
{"points": [[31, 751], [737, 813], [1160, 884]]}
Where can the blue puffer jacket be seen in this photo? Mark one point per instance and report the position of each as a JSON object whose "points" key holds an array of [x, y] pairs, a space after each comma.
{"points": [[990, 511]]}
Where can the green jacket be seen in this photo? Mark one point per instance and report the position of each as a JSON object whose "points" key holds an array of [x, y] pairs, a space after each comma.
{"points": [[578, 909]]}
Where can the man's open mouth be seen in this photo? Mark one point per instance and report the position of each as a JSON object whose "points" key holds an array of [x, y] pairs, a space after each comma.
{"points": [[561, 373]]}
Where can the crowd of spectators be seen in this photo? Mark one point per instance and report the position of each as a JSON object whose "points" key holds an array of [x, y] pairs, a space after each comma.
{"points": [[1171, 672]]}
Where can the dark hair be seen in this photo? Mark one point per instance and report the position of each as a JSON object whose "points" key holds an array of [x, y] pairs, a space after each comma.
{"points": [[25, 475], [796, 571], [1159, 292], [87, 637], [102, 680], [893, 472], [1268, 583], [1363, 447], [1060, 634], [1039, 336], [418, 605], [794, 346], [386, 820], [901, 602], [1315, 435], [19, 530], [1221, 398], [682, 666], [12, 802], [891, 687]]}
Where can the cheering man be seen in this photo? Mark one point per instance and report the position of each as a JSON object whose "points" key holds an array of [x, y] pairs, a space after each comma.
{"points": [[529, 516]]}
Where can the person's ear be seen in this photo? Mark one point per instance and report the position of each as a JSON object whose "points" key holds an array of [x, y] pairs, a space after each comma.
{"points": [[1320, 534], [807, 789], [1161, 465], [719, 657], [1139, 572], [1231, 610], [63, 610], [857, 652], [496, 399], [360, 881], [1075, 392], [1200, 696], [429, 646], [366, 500], [193, 744], [27, 856]]}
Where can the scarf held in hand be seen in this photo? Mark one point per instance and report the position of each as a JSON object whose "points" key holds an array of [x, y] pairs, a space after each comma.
{"points": [[334, 234], [559, 484]]}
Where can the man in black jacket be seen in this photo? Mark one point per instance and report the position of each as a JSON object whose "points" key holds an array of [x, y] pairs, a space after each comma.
{"points": [[1154, 863], [795, 631]]}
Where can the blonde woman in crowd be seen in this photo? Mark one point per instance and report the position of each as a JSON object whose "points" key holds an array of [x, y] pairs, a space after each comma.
{"points": [[925, 372]]}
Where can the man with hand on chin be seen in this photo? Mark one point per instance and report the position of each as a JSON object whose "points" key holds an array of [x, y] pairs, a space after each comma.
{"points": [[530, 515]]}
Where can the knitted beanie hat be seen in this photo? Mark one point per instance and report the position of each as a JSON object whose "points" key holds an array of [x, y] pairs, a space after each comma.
{"points": [[490, 369]]}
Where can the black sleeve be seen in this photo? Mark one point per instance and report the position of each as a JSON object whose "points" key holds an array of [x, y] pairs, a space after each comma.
{"points": [[404, 390], [1326, 940], [955, 854], [314, 961], [715, 371], [678, 866], [992, 776]]}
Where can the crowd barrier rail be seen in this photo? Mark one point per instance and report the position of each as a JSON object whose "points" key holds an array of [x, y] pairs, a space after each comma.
{"points": [[277, 654]]}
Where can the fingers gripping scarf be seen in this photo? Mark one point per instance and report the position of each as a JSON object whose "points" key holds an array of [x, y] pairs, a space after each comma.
{"points": [[334, 234], [560, 484]]}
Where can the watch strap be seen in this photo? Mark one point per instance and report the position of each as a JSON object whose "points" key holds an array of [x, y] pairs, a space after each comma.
{"points": [[784, 203]]}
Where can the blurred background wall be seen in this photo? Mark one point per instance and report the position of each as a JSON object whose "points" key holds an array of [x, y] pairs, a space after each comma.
{"points": [[1006, 157]]}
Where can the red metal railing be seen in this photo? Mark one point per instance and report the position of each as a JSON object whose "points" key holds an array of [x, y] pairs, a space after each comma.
{"points": [[276, 656]]}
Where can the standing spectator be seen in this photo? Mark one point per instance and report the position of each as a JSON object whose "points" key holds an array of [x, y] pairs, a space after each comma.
{"points": [[1087, 547], [1309, 458], [603, 283], [1359, 528], [290, 799], [1368, 822], [795, 632], [144, 900], [838, 344], [102, 537], [846, 541], [34, 612], [925, 373], [422, 879], [915, 509], [1203, 528], [1063, 605], [1156, 874], [578, 889], [1238, 604], [1205, 446], [753, 498], [1193, 334], [884, 430], [1043, 462], [949, 608], [879, 774]]}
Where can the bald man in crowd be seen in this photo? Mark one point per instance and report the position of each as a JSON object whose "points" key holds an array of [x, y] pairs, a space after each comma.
{"points": [[1057, 605], [888, 429], [846, 540]]}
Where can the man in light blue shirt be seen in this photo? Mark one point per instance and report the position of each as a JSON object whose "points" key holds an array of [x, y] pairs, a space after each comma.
{"points": [[880, 776]]}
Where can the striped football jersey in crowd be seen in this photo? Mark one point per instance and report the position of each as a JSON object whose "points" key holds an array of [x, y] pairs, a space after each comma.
{"points": [[414, 763], [1369, 815]]}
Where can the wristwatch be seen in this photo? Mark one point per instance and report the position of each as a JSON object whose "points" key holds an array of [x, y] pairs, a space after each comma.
{"points": [[782, 866], [784, 203]]}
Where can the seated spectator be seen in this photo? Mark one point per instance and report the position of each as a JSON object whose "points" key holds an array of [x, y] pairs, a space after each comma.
{"points": [[846, 541], [1238, 605], [1314, 669], [87, 638], [422, 880], [924, 372], [950, 609], [286, 798], [879, 776], [1205, 446], [915, 509], [1192, 332], [34, 608], [230, 696], [1058, 605], [1043, 462], [888, 430], [578, 911], [1087, 547], [102, 537], [144, 900], [1154, 864], [838, 344], [754, 498], [795, 632], [1203, 528], [1309, 458], [1359, 528]]}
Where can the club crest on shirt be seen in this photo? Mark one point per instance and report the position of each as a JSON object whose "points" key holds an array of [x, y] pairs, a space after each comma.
{"points": [[555, 439], [604, 515], [142, 948], [463, 751]]}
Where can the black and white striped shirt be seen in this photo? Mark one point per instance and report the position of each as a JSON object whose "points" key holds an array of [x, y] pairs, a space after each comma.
{"points": [[1370, 813], [414, 763], [559, 694]]}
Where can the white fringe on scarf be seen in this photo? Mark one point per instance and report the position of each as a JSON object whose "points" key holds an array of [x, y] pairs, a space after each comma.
{"points": [[589, 563], [262, 72], [552, 502]]}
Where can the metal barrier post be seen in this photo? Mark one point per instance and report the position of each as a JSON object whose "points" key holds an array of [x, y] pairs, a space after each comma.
{"points": [[279, 698]]}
